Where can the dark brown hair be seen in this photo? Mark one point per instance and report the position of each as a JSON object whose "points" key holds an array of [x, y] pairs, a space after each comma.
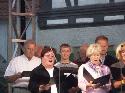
{"points": [[101, 37], [64, 45], [47, 49]]}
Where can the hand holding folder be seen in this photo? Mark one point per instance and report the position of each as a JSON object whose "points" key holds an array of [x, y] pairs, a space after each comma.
{"points": [[102, 80], [98, 81], [52, 81], [26, 73]]}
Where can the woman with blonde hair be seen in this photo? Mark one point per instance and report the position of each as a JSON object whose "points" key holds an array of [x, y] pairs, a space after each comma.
{"points": [[118, 70], [92, 70]]}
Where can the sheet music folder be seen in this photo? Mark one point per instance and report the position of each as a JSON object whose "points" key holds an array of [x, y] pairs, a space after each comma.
{"points": [[26, 73], [69, 70], [101, 80]]}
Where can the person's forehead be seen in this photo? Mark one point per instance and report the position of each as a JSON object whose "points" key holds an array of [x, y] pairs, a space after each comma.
{"points": [[49, 52], [30, 44], [65, 48], [30, 47], [96, 53], [123, 48], [102, 41]]}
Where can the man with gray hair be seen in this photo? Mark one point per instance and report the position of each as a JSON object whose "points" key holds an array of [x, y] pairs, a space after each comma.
{"points": [[25, 62]]}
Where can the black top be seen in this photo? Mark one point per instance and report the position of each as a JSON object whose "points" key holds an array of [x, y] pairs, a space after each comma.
{"points": [[70, 76], [109, 60], [117, 70], [40, 76]]}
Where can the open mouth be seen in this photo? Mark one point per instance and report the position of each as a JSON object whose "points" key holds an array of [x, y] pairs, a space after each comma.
{"points": [[96, 60], [50, 61]]}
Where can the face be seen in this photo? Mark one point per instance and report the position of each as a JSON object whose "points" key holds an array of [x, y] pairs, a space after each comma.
{"points": [[95, 58], [83, 49], [38, 52], [104, 46], [29, 50], [48, 59], [65, 53], [123, 53]]}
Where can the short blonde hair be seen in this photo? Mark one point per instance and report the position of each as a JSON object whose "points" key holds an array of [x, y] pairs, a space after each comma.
{"points": [[93, 49], [119, 49]]}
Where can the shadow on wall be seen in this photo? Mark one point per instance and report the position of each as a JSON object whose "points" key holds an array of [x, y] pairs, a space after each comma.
{"points": [[3, 85], [3, 82]]}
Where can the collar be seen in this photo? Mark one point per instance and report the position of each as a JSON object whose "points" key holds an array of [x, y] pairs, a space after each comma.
{"points": [[68, 62], [94, 66], [122, 65], [103, 58], [27, 58]]}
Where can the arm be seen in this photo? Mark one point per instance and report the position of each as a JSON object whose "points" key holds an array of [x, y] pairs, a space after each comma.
{"points": [[33, 84], [118, 83], [44, 87], [81, 80], [11, 74], [108, 85], [13, 78]]}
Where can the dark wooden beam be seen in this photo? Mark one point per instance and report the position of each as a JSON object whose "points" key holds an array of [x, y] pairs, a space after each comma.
{"points": [[68, 3], [82, 25], [105, 9], [91, 11], [75, 2]]}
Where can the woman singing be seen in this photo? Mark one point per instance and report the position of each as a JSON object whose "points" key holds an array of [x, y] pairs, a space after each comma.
{"points": [[92, 70]]}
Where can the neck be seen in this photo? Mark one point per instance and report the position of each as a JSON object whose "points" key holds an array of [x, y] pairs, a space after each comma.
{"points": [[47, 66], [65, 61], [103, 55], [29, 58]]}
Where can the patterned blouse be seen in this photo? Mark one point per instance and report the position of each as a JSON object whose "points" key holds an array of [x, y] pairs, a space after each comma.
{"points": [[96, 71]]}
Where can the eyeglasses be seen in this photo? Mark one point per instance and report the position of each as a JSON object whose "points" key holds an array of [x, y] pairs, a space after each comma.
{"points": [[49, 55]]}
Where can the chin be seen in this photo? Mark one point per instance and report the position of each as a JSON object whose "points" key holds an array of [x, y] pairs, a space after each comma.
{"points": [[97, 63]]}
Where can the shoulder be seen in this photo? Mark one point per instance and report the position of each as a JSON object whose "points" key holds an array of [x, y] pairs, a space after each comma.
{"points": [[74, 64], [38, 69], [16, 59], [58, 63], [82, 66], [116, 65], [36, 58], [111, 57], [55, 68]]}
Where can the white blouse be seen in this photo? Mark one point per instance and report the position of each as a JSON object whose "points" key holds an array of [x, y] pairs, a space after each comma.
{"points": [[53, 87]]}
